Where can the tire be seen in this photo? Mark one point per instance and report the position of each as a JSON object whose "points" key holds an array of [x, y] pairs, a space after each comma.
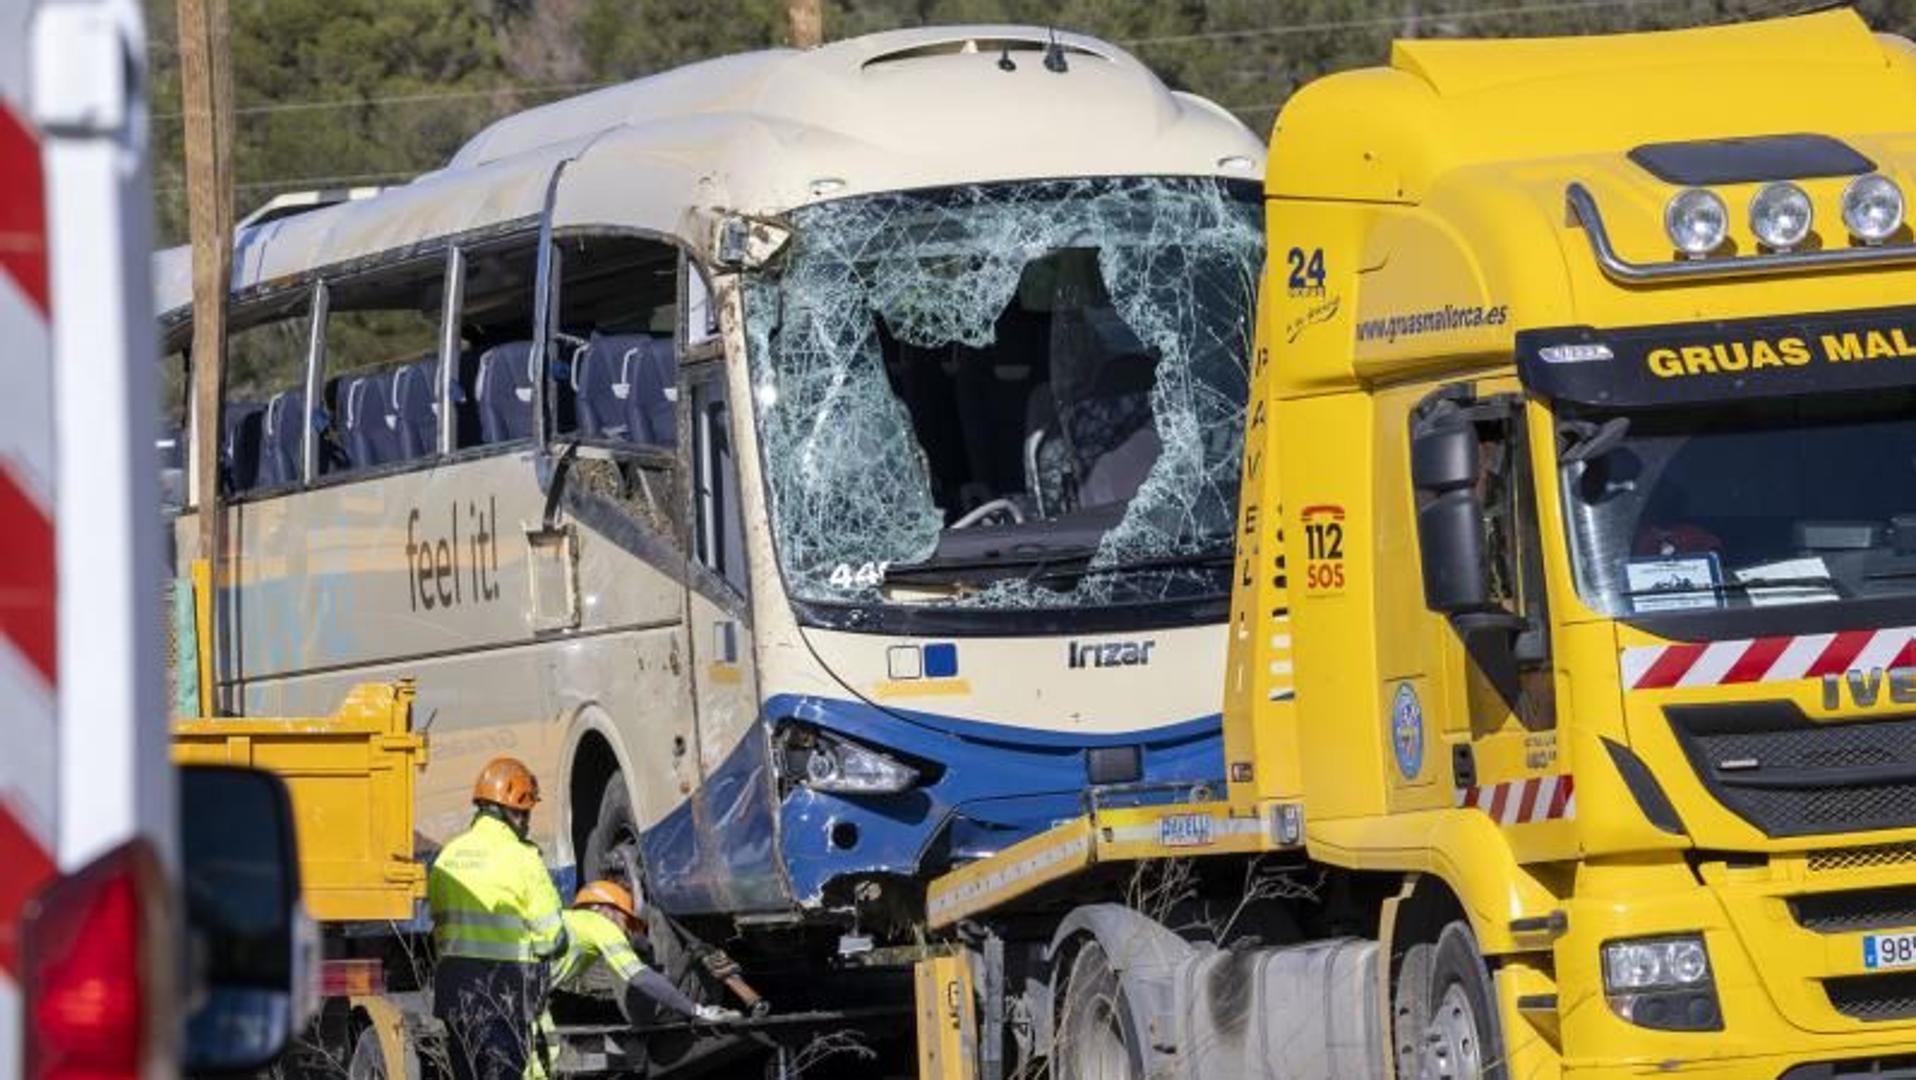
{"points": [[1444, 1012], [1096, 1039], [1410, 1011], [611, 849], [614, 838]]}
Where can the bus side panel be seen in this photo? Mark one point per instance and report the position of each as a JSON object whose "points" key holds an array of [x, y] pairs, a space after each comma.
{"points": [[473, 707], [431, 574], [432, 561], [516, 700]]}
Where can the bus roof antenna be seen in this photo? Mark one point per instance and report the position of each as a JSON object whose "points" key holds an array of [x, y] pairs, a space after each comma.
{"points": [[1054, 55]]}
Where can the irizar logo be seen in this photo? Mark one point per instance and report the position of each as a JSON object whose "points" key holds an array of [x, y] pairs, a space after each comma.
{"points": [[1866, 687], [1103, 654]]}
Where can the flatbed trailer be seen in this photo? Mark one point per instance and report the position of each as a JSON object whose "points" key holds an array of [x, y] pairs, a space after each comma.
{"points": [[1195, 979], [791, 1044]]}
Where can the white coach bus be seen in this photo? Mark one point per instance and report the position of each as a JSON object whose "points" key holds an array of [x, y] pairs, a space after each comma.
{"points": [[819, 466]]}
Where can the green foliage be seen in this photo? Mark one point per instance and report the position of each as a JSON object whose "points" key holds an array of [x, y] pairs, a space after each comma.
{"points": [[295, 62], [337, 92], [624, 39]]}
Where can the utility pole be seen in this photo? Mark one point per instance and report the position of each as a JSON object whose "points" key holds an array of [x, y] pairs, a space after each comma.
{"points": [[808, 23], [206, 85]]}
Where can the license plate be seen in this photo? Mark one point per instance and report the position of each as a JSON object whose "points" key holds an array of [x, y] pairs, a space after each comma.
{"points": [[1184, 830], [1889, 951]]}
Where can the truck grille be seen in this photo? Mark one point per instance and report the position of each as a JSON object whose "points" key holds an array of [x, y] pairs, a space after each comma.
{"points": [[1863, 909], [1900, 1067], [1873, 998], [1836, 860], [1791, 776]]}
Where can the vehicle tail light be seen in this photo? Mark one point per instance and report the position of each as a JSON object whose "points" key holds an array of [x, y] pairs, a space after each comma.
{"points": [[351, 978], [91, 970]]}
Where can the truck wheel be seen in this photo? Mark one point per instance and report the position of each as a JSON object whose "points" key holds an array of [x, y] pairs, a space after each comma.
{"points": [[1096, 1039], [1445, 1012]]}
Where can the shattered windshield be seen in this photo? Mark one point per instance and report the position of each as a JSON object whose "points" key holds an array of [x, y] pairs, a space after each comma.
{"points": [[1751, 504], [1011, 395]]}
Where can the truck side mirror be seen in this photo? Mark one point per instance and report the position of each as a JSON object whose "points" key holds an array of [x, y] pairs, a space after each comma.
{"points": [[1443, 470], [251, 949]]}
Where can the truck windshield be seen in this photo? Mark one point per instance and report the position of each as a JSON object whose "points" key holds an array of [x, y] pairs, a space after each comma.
{"points": [[1745, 504], [1008, 395]]}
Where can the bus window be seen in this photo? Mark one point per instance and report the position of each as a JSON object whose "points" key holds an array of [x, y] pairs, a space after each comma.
{"points": [[616, 376], [493, 399], [265, 422], [718, 531], [382, 367], [701, 308]]}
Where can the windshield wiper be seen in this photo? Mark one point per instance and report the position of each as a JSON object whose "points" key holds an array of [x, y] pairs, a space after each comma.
{"points": [[1809, 581], [1021, 556], [1193, 560], [1070, 562]]}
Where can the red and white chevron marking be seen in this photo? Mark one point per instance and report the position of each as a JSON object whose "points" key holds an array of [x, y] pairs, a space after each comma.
{"points": [[1767, 659], [1521, 802], [27, 596]]}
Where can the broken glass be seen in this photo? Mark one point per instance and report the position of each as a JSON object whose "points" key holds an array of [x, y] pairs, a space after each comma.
{"points": [[1008, 395]]}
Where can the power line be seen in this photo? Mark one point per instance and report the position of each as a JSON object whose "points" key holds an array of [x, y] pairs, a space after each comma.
{"points": [[1413, 19], [404, 99], [1765, 8], [1762, 9], [307, 181], [336, 181]]}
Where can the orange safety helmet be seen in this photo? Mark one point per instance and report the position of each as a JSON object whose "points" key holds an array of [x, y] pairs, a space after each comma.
{"points": [[615, 897], [608, 894], [505, 781]]}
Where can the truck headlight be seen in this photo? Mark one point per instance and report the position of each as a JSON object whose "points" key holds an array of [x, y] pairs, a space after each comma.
{"points": [[844, 767], [1662, 982]]}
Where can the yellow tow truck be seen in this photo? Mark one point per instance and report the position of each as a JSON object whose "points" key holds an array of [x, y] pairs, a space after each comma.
{"points": [[1571, 701]]}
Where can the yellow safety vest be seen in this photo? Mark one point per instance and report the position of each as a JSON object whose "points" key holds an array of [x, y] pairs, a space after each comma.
{"points": [[492, 899], [593, 939]]}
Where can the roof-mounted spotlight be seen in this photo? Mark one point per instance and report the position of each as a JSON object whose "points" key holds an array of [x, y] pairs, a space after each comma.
{"points": [[1781, 215], [1873, 208], [1697, 221]]}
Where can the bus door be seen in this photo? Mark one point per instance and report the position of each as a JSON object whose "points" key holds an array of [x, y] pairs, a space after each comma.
{"points": [[735, 808]]}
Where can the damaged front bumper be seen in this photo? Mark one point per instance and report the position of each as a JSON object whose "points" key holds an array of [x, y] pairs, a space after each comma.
{"points": [[991, 785]]}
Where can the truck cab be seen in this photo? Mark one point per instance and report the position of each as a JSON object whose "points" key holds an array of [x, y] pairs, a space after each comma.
{"points": [[1577, 570]]}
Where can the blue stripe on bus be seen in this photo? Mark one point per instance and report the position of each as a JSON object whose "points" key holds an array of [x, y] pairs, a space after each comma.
{"points": [[994, 784]]}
